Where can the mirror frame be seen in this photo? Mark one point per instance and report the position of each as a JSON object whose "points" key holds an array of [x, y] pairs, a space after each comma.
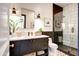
{"points": [[24, 19]]}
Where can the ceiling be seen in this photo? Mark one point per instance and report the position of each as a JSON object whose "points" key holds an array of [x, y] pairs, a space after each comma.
{"points": [[40, 4], [31, 5], [63, 4]]}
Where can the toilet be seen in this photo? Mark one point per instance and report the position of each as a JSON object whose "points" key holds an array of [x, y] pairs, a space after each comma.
{"points": [[52, 48]]}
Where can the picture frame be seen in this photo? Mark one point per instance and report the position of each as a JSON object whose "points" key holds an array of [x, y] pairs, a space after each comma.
{"points": [[47, 22]]}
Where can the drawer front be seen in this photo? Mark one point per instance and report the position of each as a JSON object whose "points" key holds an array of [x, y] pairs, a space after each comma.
{"points": [[39, 44]]}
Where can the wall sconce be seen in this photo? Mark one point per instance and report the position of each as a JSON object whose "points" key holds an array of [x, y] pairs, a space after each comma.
{"points": [[38, 16], [38, 24], [14, 11]]}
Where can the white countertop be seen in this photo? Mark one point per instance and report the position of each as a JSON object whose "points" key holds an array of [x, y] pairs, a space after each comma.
{"points": [[27, 37]]}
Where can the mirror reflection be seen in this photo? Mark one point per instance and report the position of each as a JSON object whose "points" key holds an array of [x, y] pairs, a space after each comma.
{"points": [[28, 16], [24, 21]]}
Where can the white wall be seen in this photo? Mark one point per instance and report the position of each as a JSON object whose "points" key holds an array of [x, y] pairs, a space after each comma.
{"points": [[47, 12], [70, 20]]}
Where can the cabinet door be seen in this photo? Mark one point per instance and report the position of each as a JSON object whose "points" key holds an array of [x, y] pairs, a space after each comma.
{"points": [[20, 47], [15, 51], [40, 44], [26, 47]]}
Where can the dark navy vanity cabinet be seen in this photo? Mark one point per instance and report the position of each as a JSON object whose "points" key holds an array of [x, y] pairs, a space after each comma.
{"points": [[23, 47]]}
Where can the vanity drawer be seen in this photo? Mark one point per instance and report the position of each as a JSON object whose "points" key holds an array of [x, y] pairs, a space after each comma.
{"points": [[16, 43]]}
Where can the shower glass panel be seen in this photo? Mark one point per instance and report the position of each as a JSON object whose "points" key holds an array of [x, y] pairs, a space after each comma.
{"points": [[4, 31], [70, 30]]}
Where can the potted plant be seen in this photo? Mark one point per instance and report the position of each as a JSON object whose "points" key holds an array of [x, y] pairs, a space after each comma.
{"points": [[13, 26]]}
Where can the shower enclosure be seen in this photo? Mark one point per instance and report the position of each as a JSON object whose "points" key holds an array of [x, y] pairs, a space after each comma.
{"points": [[66, 28]]}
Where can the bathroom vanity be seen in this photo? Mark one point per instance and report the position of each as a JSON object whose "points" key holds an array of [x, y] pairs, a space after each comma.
{"points": [[20, 46]]}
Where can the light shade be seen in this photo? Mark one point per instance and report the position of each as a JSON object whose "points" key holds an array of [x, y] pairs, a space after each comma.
{"points": [[38, 25]]}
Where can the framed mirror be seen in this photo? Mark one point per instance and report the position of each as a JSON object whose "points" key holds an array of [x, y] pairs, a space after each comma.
{"points": [[28, 16]]}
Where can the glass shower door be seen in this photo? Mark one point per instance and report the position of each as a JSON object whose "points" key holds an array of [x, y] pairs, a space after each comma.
{"points": [[70, 32], [4, 31]]}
